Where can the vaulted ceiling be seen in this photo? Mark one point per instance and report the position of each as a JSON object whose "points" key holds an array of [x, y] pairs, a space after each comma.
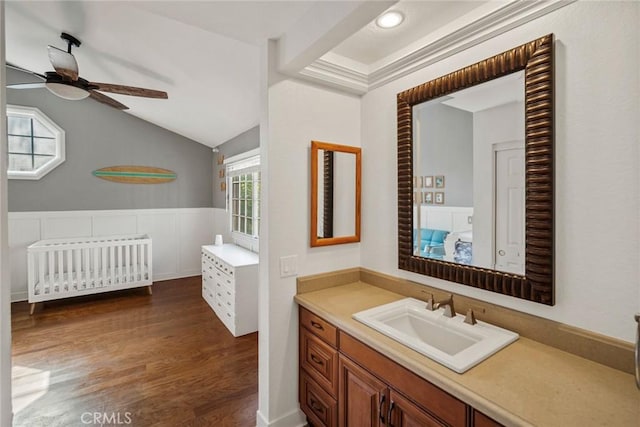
{"points": [[206, 54]]}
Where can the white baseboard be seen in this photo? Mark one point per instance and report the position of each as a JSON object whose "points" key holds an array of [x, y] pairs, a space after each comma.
{"points": [[295, 418], [19, 296]]}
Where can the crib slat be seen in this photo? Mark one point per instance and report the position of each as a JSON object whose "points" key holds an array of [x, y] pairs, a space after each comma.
{"points": [[112, 265], [69, 270], [60, 256], [127, 251], [103, 273], [95, 268], [87, 268], [142, 263], [134, 257], [119, 264], [78, 269], [51, 270]]}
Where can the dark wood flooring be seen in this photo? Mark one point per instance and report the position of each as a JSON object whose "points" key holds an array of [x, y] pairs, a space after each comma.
{"points": [[127, 358]]}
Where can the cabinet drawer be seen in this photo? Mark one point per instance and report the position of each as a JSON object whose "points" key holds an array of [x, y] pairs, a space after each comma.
{"points": [[320, 408], [318, 326], [320, 361]]}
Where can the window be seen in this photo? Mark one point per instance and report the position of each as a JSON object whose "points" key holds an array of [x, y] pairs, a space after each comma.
{"points": [[35, 143], [243, 175]]}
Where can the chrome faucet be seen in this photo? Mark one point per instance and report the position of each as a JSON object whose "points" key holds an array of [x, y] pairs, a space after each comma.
{"points": [[449, 311]]}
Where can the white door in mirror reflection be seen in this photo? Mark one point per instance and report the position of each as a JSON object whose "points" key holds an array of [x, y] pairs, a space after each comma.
{"points": [[509, 208]]}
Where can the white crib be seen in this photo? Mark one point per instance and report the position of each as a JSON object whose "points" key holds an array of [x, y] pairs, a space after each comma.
{"points": [[62, 268]]}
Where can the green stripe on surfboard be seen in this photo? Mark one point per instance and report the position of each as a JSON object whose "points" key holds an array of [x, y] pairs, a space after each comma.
{"points": [[135, 174]]}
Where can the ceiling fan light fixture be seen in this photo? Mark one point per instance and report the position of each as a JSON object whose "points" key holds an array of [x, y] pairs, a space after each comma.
{"points": [[390, 19], [72, 93]]}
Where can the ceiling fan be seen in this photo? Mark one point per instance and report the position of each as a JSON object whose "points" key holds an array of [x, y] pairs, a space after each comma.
{"points": [[66, 83]]}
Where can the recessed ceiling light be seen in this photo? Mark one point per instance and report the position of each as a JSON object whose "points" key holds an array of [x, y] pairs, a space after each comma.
{"points": [[390, 19]]}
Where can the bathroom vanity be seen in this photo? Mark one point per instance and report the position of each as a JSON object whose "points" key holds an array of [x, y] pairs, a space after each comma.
{"points": [[230, 286], [342, 380], [349, 373]]}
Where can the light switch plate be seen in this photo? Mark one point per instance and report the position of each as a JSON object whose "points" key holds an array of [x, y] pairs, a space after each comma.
{"points": [[289, 266]]}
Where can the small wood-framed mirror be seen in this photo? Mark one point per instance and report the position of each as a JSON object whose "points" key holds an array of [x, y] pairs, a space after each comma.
{"points": [[335, 194]]}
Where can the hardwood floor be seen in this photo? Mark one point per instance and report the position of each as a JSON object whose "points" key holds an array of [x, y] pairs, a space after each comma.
{"points": [[127, 358]]}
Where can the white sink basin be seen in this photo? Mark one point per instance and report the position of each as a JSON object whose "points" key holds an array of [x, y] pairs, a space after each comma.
{"points": [[449, 341]]}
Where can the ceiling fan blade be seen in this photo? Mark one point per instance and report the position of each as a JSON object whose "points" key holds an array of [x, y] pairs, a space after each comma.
{"points": [[63, 62], [130, 90], [107, 100], [27, 85], [24, 70]]}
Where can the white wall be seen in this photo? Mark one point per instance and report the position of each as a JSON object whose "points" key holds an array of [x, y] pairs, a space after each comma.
{"points": [[5, 285], [176, 234], [297, 114], [344, 194], [504, 123], [596, 159]]}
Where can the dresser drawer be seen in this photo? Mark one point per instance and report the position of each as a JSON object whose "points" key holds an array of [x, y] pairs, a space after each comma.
{"points": [[320, 360], [225, 296], [320, 408], [223, 278], [319, 327]]}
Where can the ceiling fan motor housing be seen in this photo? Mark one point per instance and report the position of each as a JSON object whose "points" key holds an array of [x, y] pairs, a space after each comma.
{"points": [[70, 41]]}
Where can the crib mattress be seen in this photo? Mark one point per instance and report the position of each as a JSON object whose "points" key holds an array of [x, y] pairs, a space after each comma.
{"points": [[66, 282]]}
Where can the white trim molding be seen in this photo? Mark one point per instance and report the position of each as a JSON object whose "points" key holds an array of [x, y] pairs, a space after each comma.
{"points": [[474, 28], [295, 418]]}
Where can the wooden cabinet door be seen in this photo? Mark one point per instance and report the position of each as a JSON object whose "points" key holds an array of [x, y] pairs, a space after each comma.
{"points": [[481, 420], [362, 398], [404, 413]]}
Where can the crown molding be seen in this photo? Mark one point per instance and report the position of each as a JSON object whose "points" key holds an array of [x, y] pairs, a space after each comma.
{"points": [[337, 75], [348, 75]]}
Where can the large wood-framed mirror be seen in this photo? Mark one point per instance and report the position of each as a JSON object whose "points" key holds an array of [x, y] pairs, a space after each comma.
{"points": [[335, 194], [481, 214]]}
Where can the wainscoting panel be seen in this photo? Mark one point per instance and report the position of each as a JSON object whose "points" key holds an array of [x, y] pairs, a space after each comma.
{"points": [[60, 225], [110, 225], [177, 236], [193, 228], [165, 235], [22, 233]]}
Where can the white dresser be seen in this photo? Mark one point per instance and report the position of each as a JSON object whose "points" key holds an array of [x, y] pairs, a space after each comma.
{"points": [[230, 286]]}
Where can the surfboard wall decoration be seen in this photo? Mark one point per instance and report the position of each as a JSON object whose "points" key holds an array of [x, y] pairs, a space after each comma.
{"points": [[135, 174]]}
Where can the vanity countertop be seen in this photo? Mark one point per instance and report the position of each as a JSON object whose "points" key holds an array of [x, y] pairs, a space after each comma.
{"points": [[527, 383]]}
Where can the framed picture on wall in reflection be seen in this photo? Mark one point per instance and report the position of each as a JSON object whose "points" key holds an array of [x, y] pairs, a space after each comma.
{"points": [[439, 198], [428, 197], [439, 181], [428, 181]]}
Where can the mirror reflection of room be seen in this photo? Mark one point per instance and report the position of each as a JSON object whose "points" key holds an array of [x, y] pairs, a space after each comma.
{"points": [[469, 176], [336, 203], [335, 194]]}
